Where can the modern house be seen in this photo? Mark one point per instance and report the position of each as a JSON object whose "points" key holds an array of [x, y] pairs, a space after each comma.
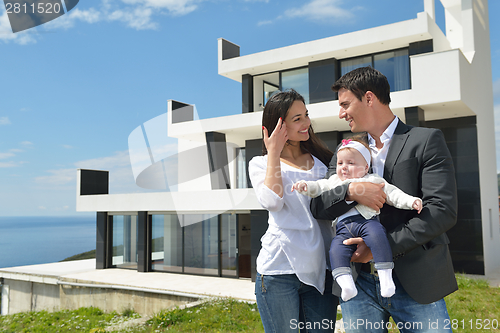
{"points": [[212, 223]]}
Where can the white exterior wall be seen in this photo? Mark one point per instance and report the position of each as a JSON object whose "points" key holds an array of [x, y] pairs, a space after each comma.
{"points": [[189, 164], [453, 81], [478, 96]]}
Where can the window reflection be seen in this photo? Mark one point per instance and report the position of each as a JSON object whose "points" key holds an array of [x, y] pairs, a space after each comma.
{"points": [[125, 231], [395, 65], [201, 246], [350, 64], [229, 256], [195, 243], [241, 168], [297, 79], [269, 90], [166, 244]]}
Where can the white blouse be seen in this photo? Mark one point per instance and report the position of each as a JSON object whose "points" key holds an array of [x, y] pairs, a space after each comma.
{"points": [[293, 243]]}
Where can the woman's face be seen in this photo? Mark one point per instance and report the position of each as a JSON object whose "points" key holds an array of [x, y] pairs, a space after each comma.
{"points": [[297, 122]]}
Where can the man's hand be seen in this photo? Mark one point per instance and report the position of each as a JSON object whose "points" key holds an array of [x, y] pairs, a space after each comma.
{"points": [[367, 194], [363, 254]]}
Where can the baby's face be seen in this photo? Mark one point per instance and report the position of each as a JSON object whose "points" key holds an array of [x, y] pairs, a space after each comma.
{"points": [[351, 164]]}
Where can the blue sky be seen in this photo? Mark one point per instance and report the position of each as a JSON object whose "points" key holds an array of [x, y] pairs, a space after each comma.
{"points": [[72, 90]]}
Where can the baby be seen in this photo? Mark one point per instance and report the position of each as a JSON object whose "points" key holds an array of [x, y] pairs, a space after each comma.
{"points": [[353, 163]]}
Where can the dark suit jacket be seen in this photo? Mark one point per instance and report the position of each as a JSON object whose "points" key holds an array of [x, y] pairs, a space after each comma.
{"points": [[420, 164]]}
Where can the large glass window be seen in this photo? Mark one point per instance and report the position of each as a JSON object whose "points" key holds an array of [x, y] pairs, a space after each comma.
{"points": [[395, 65], [229, 256], [269, 90], [241, 168], [264, 86], [195, 243], [166, 244], [201, 244], [297, 79], [350, 64], [125, 231]]}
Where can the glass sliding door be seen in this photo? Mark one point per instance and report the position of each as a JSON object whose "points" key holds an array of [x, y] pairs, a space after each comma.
{"points": [[166, 244], [229, 254], [201, 244], [125, 231], [195, 244]]}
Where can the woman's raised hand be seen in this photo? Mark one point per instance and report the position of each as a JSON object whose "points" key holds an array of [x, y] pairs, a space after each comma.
{"points": [[275, 142]]}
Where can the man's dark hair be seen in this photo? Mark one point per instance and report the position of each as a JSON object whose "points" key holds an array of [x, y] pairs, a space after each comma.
{"points": [[363, 79]]}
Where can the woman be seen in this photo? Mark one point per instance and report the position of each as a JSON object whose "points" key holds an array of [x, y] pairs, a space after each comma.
{"points": [[291, 267]]}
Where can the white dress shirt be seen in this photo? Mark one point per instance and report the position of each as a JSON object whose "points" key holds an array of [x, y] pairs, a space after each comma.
{"points": [[379, 156]]}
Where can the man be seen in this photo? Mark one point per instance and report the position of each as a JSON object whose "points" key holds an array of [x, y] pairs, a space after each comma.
{"points": [[417, 161]]}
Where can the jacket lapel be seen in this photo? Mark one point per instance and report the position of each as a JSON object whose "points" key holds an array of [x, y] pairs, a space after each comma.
{"points": [[397, 143]]}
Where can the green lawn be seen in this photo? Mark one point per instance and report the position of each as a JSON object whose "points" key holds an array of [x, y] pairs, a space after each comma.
{"points": [[475, 307]]}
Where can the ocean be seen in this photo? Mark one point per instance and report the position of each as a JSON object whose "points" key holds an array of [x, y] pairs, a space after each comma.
{"points": [[43, 239]]}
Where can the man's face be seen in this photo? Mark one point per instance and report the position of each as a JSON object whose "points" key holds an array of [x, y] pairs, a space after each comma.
{"points": [[355, 112]]}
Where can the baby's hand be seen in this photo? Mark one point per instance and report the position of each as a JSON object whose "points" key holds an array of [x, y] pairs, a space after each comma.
{"points": [[417, 205], [300, 186]]}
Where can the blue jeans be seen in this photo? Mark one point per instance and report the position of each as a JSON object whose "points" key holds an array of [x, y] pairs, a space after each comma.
{"points": [[374, 235], [370, 312], [287, 305]]}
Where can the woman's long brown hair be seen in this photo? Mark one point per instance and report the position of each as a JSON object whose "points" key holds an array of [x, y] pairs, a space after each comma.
{"points": [[277, 106]]}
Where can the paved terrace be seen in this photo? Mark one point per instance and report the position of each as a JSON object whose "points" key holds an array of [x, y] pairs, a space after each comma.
{"points": [[83, 272]]}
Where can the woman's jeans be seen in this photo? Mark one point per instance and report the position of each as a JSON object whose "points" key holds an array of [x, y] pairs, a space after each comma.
{"points": [[374, 235], [287, 305]]}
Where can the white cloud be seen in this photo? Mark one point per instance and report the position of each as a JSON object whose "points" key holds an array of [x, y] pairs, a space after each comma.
{"points": [[27, 143], [6, 33], [118, 160], [67, 146], [4, 121], [7, 164], [121, 178], [89, 16], [326, 11], [6, 155], [58, 177], [175, 7], [118, 166], [138, 18], [136, 14], [322, 10], [68, 21], [10, 164], [265, 22]]}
